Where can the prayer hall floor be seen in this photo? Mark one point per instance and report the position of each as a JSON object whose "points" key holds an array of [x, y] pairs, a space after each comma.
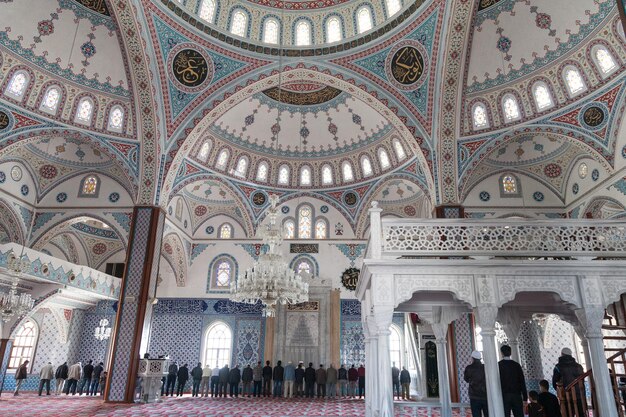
{"points": [[62, 406]]}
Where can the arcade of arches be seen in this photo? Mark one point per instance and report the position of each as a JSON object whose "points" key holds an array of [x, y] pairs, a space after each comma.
{"points": [[465, 159]]}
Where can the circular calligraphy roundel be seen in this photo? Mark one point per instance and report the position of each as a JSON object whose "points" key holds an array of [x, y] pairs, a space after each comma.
{"points": [[406, 65], [190, 68], [5, 121], [593, 116]]}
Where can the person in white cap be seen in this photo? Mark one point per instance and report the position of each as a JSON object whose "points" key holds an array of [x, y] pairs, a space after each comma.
{"points": [[474, 375], [565, 372]]}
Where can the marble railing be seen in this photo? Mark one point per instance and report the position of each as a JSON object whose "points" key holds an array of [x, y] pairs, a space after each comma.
{"points": [[40, 266]]}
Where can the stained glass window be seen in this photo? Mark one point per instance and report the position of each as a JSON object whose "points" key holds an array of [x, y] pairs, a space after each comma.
{"points": [[574, 81], [583, 169], [605, 60], [261, 172], [304, 267], [222, 160], [333, 30], [239, 23], [283, 175], [305, 221], [90, 185], [543, 98], [305, 176], [364, 19], [222, 274], [116, 119], [303, 33], [366, 166], [320, 229], [399, 149], [509, 184], [17, 86], [204, 151], [270, 31], [218, 344], [242, 167], [289, 229], [226, 231], [51, 100], [479, 117], [327, 175], [207, 10], [393, 7], [347, 172], [511, 109], [384, 159], [23, 345], [395, 346], [84, 111]]}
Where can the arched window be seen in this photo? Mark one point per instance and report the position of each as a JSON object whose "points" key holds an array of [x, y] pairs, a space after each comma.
{"points": [[395, 346], [364, 19], [239, 23], [89, 187], [399, 150], [226, 231], [203, 154], [289, 229], [17, 85], [321, 229], [305, 176], [207, 10], [116, 119], [223, 272], [348, 175], [383, 158], [479, 116], [508, 185], [218, 345], [327, 175], [574, 81], [543, 98], [510, 108], [242, 167], [604, 60], [261, 172], [305, 221], [283, 175], [51, 100], [270, 31], [303, 33], [393, 7], [366, 166], [222, 160], [23, 348], [84, 111], [333, 30], [304, 267]]}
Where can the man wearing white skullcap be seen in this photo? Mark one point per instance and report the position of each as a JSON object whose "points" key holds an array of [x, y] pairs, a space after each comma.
{"points": [[474, 375]]}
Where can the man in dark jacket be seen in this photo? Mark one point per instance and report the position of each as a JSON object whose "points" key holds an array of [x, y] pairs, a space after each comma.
{"points": [[513, 384], [405, 382], [299, 380], [278, 376], [183, 376], [246, 377], [395, 380], [267, 379], [342, 376], [474, 375], [353, 379], [234, 379], [95, 380], [320, 380], [172, 373], [87, 374], [61, 375], [548, 401], [361, 372], [309, 381], [224, 378], [564, 373], [196, 377], [257, 377]]}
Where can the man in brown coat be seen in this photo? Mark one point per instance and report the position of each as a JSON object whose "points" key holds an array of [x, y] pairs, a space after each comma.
{"points": [[320, 380], [20, 376]]}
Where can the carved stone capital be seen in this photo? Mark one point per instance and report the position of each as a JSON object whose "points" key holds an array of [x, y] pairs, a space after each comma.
{"points": [[440, 330], [486, 317], [591, 319]]}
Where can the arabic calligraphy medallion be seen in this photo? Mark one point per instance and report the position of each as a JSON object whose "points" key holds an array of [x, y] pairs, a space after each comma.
{"points": [[593, 116], [406, 65], [4, 120], [190, 68]]}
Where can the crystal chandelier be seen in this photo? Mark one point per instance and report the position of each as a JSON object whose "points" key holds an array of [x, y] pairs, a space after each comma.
{"points": [[103, 331], [270, 280], [12, 303]]}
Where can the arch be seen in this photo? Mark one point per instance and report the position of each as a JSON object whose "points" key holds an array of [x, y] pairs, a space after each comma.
{"points": [[116, 119], [392, 7], [333, 28], [284, 175], [24, 344], [89, 186], [217, 344], [574, 82], [321, 228], [303, 32], [311, 262], [327, 175], [262, 171], [241, 169], [11, 223], [383, 159], [222, 271], [206, 10], [174, 253], [396, 351], [18, 85], [272, 31], [84, 110], [240, 22], [289, 228], [366, 166], [347, 171], [305, 176], [51, 99], [479, 116], [399, 149], [205, 149], [364, 18], [221, 162], [511, 110], [543, 97], [604, 60]]}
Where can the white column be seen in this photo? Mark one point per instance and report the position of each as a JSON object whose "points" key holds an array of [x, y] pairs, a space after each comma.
{"points": [[441, 330], [371, 366], [383, 316], [376, 232], [591, 320], [583, 340], [486, 318]]}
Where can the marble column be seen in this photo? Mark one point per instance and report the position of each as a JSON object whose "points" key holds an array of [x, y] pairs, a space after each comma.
{"points": [[371, 365], [591, 320], [486, 319], [441, 330], [134, 313], [5, 352], [383, 379], [580, 332]]}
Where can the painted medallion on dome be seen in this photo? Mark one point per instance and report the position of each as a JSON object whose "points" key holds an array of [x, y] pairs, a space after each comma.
{"points": [[485, 4], [190, 68], [305, 94], [593, 116], [4, 120], [98, 6], [259, 198], [406, 64]]}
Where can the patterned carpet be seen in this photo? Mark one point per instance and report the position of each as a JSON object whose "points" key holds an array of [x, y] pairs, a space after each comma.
{"points": [[194, 407]]}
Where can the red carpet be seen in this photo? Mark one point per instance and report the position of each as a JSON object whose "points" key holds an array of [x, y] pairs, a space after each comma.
{"points": [[187, 406]]}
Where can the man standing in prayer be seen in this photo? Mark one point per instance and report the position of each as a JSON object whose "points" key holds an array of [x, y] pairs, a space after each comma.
{"points": [[257, 378], [320, 380], [290, 376], [73, 377], [45, 375], [395, 380], [513, 384], [353, 379], [405, 383], [246, 377], [278, 376], [309, 380], [87, 374], [564, 373], [172, 373], [206, 380], [95, 380], [342, 375], [215, 381], [196, 377], [267, 379], [361, 371], [299, 380], [474, 375], [61, 375]]}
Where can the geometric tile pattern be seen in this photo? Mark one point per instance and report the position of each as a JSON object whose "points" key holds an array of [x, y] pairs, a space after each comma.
{"points": [[464, 346]]}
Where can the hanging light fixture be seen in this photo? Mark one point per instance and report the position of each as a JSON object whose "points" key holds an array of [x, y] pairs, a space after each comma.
{"points": [[270, 280], [103, 331]]}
